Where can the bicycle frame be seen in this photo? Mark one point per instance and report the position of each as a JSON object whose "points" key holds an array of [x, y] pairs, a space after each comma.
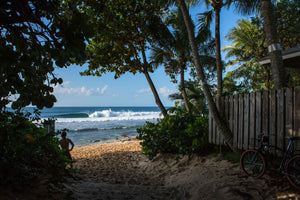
{"points": [[287, 153], [253, 161]]}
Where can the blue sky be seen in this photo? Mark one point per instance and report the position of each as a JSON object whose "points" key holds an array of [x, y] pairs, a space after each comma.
{"points": [[128, 90]]}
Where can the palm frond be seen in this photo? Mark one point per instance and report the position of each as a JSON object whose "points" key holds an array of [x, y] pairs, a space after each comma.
{"points": [[246, 6]]}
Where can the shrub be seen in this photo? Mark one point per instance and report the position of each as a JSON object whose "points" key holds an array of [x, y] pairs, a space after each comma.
{"points": [[179, 132], [27, 151]]}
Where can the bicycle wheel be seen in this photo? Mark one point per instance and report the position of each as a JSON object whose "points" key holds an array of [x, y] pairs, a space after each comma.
{"points": [[293, 171], [253, 163]]}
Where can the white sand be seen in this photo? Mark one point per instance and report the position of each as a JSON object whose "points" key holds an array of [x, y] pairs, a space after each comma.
{"points": [[118, 171], [122, 172]]}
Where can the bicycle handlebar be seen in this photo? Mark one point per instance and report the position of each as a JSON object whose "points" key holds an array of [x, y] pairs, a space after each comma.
{"points": [[264, 137]]}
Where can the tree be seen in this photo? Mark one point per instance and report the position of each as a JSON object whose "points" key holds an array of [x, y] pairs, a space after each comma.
{"points": [[279, 75], [248, 47], [224, 129], [172, 50], [35, 35], [217, 5], [274, 49], [196, 98], [287, 17], [121, 38]]}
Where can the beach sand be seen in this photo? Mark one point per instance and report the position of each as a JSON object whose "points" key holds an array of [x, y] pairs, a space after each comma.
{"points": [[119, 171]]}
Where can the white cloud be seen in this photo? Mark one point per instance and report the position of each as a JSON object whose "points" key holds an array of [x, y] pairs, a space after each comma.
{"points": [[147, 90], [65, 89], [164, 91]]}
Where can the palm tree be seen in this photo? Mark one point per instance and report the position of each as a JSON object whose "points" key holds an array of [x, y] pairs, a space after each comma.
{"points": [[196, 98], [223, 127], [217, 5], [144, 69], [246, 7], [248, 46], [172, 49]]}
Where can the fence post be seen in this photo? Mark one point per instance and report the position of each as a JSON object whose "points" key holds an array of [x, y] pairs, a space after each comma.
{"points": [[49, 124]]}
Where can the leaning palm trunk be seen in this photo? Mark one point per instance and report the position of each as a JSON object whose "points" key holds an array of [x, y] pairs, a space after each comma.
{"points": [[153, 89], [224, 129], [183, 92], [275, 53], [155, 94]]}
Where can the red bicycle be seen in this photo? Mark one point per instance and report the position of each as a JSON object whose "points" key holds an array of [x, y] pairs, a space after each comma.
{"points": [[253, 161]]}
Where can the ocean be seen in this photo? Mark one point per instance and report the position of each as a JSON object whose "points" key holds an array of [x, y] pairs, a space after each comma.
{"points": [[94, 125]]}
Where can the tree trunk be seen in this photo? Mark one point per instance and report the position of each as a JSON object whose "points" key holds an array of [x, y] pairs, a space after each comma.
{"points": [[153, 89], [217, 10], [155, 94], [183, 92], [267, 81], [223, 128], [274, 49]]}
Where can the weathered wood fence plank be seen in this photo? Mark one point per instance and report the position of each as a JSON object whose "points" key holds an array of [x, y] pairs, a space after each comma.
{"points": [[246, 121], [236, 120], [280, 120], [273, 118], [275, 113], [258, 114], [241, 124], [252, 120], [297, 115]]}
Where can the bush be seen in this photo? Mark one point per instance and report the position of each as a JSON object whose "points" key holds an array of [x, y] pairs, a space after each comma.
{"points": [[27, 151], [179, 132]]}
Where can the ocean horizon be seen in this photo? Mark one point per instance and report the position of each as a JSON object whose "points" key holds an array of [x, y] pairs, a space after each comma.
{"points": [[89, 125]]}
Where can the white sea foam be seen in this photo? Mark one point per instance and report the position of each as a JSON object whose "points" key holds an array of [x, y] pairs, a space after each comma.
{"points": [[89, 125], [109, 115]]}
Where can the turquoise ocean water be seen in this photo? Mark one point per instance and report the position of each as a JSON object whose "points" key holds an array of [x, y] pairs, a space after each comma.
{"points": [[91, 125]]}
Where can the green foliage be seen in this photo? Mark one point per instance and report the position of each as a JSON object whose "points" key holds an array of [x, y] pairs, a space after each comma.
{"points": [[288, 22], [179, 132], [35, 35], [198, 105], [27, 151], [250, 45], [120, 37]]}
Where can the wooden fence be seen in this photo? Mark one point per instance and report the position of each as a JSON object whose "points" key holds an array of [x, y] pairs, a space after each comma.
{"points": [[269, 112]]}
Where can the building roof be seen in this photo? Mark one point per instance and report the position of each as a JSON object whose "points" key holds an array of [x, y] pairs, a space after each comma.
{"points": [[291, 58]]}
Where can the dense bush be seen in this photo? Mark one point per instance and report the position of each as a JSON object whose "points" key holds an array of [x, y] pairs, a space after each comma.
{"points": [[179, 132], [27, 151]]}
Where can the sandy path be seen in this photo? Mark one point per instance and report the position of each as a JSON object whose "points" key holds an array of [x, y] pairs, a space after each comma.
{"points": [[112, 171], [118, 171]]}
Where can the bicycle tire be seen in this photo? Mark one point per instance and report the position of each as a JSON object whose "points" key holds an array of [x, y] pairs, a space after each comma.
{"points": [[293, 171], [253, 163]]}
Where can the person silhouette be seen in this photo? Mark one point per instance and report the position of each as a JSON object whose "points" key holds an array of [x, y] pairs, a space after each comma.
{"points": [[65, 144]]}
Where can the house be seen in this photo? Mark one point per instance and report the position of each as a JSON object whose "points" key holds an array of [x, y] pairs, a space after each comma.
{"points": [[291, 58]]}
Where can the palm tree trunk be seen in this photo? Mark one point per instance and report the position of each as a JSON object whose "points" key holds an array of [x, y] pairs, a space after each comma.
{"points": [[183, 92], [155, 94], [217, 10], [275, 53], [267, 81], [153, 89], [224, 129]]}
